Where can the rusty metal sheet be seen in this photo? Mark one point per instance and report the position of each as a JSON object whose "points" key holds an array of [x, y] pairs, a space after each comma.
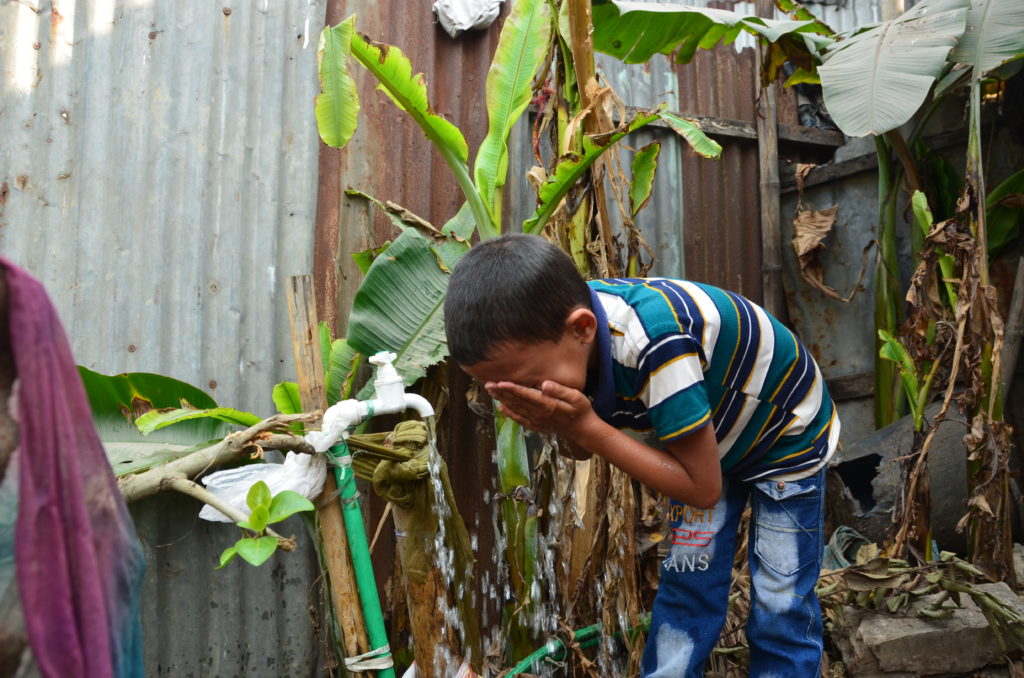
{"points": [[390, 158], [720, 197]]}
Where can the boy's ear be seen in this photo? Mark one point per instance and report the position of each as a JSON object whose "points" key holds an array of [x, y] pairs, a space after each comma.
{"points": [[582, 323]]}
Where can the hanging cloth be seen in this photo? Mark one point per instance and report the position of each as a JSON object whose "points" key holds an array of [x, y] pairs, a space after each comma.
{"points": [[77, 559]]}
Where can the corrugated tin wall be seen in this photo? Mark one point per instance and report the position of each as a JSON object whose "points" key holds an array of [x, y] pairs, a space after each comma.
{"points": [[158, 173], [160, 170]]}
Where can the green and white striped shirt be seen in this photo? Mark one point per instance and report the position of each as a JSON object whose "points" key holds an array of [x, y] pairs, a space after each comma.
{"points": [[675, 355]]}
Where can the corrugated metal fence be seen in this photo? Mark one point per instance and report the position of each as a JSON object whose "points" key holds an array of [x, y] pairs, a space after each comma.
{"points": [[158, 169], [161, 174]]}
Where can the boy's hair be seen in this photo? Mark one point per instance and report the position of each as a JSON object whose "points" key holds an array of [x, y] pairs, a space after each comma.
{"points": [[514, 288]]}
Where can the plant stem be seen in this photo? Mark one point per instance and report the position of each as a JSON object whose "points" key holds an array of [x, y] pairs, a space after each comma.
{"points": [[180, 483], [233, 448], [888, 304]]}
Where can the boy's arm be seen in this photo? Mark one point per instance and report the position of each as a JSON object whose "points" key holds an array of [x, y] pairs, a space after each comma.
{"points": [[687, 470]]}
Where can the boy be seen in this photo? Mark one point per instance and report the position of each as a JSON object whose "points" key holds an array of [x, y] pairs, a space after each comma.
{"points": [[728, 406]]}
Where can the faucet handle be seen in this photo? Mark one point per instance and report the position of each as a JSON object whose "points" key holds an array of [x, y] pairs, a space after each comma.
{"points": [[383, 358]]}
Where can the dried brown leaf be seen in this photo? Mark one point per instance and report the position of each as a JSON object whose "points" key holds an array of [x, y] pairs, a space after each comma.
{"points": [[810, 228]]}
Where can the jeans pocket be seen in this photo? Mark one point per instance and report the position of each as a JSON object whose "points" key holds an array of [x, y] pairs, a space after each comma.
{"points": [[787, 527]]}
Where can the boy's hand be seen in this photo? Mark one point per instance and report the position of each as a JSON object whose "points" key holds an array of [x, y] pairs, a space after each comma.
{"points": [[553, 408]]}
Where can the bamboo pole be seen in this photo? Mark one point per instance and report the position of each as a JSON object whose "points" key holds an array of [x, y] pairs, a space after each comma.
{"points": [[309, 372], [768, 163]]}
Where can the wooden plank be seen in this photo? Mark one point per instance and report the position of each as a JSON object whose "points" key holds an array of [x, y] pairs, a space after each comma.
{"points": [[811, 136], [823, 174], [709, 124], [851, 386], [334, 542], [744, 131], [768, 186], [862, 163]]}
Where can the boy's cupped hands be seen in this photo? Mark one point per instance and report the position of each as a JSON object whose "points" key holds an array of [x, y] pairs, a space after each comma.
{"points": [[550, 409]]}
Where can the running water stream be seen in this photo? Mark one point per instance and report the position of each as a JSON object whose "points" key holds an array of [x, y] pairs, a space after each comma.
{"points": [[551, 500], [445, 661]]}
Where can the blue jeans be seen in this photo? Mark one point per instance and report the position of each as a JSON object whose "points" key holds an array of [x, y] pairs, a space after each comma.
{"points": [[786, 541]]}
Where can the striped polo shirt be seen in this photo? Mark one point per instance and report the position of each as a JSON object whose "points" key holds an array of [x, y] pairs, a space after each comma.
{"points": [[676, 355]]}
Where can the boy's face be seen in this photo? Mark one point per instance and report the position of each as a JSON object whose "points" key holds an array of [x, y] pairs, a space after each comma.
{"points": [[530, 364]]}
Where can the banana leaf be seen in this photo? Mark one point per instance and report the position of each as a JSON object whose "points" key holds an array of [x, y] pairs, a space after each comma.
{"points": [[892, 349], [876, 80], [645, 164], [636, 31], [994, 35], [116, 401], [158, 419], [134, 457], [342, 363], [521, 50], [572, 166], [393, 70], [1003, 211], [399, 307], [798, 11], [451, 242], [286, 397], [337, 106]]}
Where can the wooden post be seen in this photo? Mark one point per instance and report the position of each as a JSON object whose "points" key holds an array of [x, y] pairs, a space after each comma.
{"points": [[309, 371], [582, 46], [768, 161], [1013, 330]]}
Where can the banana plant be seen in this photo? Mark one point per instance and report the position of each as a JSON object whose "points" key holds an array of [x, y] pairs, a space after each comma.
{"points": [[927, 42], [572, 166], [994, 35], [916, 383], [636, 31], [398, 305]]}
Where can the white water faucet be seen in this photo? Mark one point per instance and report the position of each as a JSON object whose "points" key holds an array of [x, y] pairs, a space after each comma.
{"points": [[389, 398]]}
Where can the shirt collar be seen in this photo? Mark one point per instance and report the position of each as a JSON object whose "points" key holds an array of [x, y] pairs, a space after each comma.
{"points": [[600, 383]]}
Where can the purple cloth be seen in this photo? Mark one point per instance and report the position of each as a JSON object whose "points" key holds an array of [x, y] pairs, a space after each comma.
{"points": [[78, 560]]}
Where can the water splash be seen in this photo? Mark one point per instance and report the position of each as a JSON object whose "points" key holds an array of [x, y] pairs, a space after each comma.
{"points": [[445, 661]]}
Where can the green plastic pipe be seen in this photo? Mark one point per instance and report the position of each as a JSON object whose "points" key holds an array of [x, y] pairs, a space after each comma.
{"points": [[366, 583], [555, 648]]}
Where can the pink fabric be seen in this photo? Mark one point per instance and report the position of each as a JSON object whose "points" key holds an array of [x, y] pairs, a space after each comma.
{"points": [[78, 561]]}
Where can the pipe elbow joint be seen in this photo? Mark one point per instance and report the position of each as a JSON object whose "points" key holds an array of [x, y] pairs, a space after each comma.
{"points": [[338, 419], [420, 404]]}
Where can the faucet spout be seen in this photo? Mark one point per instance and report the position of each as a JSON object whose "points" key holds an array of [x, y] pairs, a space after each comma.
{"points": [[420, 404]]}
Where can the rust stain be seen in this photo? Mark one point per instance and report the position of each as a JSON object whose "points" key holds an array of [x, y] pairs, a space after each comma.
{"points": [[55, 17], [5, 190], [22, 181]]}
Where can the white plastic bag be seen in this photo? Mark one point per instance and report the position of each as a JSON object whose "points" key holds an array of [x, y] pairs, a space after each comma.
{"points": [[302, 473], [457, 16]]}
